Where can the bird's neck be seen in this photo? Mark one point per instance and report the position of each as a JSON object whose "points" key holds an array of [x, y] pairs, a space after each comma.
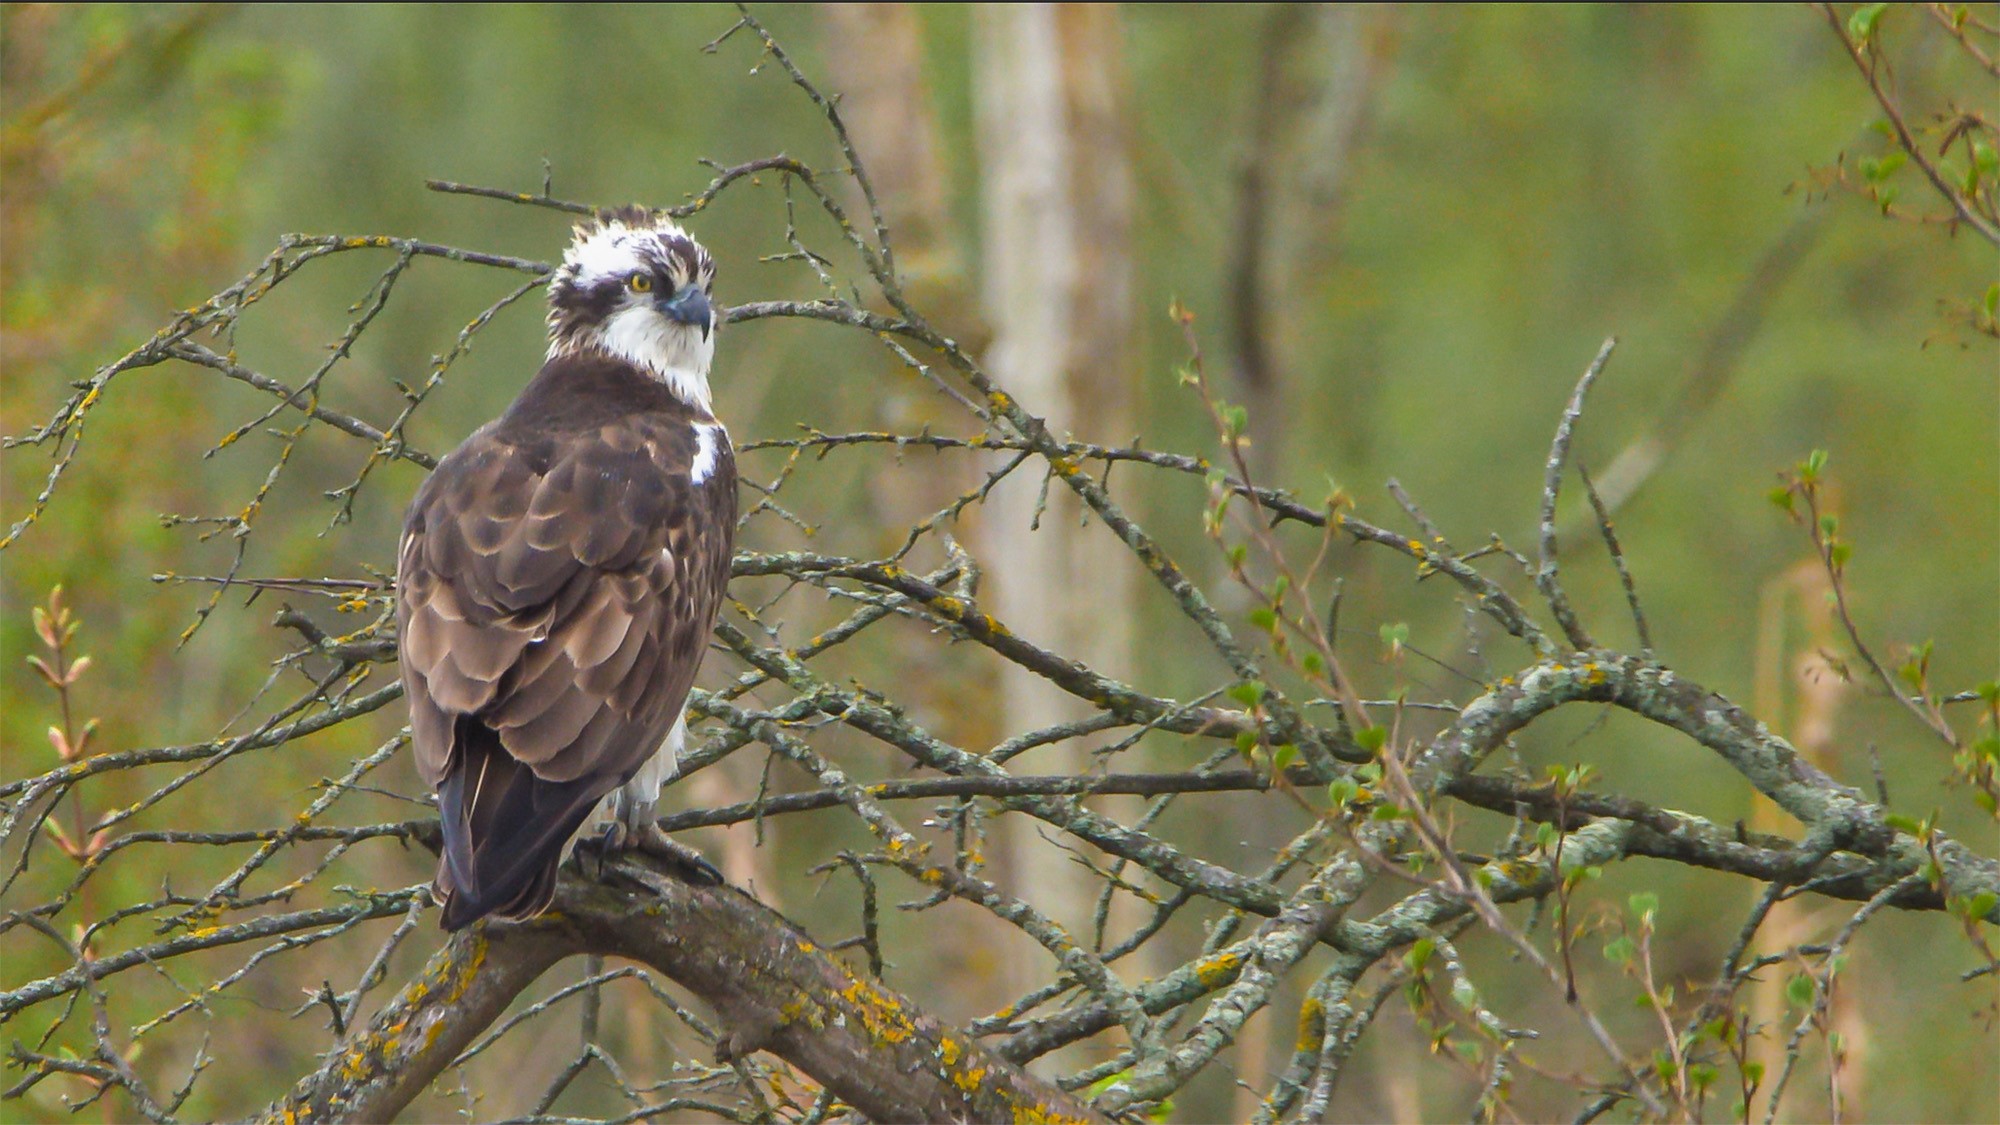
{"points": [[662, 353]]}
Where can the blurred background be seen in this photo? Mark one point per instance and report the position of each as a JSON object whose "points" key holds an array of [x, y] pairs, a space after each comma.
{"points": [[1403, 231]]}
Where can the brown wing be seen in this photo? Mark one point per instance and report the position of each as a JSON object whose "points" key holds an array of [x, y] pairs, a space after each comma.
{"points": [[557, 590]]}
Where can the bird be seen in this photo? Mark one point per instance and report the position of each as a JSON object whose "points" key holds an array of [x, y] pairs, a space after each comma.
{"points": [[559, 575]]}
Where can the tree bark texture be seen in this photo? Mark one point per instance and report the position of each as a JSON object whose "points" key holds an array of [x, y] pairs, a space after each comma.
{"points": [[771, 987]]}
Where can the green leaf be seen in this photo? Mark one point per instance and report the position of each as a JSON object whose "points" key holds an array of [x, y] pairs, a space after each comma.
{"points": [[1246, 742], [1396, 636], [1341, 790], [1545, 836], [1814, 462], [1386, 811], [1645, 904], [1879, 170], [1419, 953], [1284, 756], [1313, 664], [1862, 22], [1261, 618], [1913, 674], [1371, 738], [1800, 991], [1235, 419], [1980, 905], [1249, 693], [1753, 1073], [1828, 524], [1985, 157], [1902, 823], [1620, 950], [1781, 497]]}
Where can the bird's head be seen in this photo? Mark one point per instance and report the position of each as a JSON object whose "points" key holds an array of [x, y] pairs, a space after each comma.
{"points": [[635, 286]]}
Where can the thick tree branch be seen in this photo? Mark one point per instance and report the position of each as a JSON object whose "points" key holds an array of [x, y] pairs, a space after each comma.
{"points": [[771, 986]]}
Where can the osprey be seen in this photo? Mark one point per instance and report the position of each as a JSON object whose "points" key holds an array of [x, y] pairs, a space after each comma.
{"points": [[559, 574]]}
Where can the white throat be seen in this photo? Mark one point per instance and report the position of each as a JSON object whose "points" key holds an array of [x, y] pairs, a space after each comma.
{"points": [[675, 354]]}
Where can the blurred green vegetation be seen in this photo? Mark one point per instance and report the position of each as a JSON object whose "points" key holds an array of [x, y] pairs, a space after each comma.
{"points": [[1533, 180]]}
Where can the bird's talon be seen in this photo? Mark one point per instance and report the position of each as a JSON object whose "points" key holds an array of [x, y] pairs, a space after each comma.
{"points": [[686, 861]]}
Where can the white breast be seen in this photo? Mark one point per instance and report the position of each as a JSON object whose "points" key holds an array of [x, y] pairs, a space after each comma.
{"points": [[708, 437]]}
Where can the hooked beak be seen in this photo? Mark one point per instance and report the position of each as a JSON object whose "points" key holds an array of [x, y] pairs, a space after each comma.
{"points": [[689, 306]]}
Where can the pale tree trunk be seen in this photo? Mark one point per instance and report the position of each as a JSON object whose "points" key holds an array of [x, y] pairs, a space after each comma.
{"points": [[1801, 597], [1056, 207], [875, 60]]}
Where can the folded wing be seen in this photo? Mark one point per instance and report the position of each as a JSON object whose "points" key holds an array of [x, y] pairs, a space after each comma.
{"points": [[557, 590]]}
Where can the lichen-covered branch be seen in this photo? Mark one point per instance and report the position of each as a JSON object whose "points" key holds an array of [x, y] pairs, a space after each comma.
{"points": [[771, 987]]}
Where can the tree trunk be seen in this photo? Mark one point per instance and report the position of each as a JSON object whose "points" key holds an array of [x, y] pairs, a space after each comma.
{"points": [[1057, 289]]}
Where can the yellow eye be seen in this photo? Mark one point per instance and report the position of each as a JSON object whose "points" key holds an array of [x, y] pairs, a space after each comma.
{"points": [[640, 282]]}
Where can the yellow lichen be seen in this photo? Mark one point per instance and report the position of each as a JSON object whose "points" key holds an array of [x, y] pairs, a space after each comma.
{"points": [[1036, 1114], [1213, 970], [881, 1013], [1310, 1029], [969, 1080]]}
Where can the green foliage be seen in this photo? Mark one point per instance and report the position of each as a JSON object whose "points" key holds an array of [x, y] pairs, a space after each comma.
{"points": [[1620, 182], [1862, 22], [1371, 738]]}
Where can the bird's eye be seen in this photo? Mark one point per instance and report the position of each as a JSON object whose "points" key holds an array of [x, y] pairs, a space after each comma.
{"points": [[640, 282]]}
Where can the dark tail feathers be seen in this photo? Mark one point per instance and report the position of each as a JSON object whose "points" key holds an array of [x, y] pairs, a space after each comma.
{"points": [[504, 830]]}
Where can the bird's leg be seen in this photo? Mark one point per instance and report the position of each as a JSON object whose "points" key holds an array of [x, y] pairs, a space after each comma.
{"points": [[637, 828], [635, 814]]}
